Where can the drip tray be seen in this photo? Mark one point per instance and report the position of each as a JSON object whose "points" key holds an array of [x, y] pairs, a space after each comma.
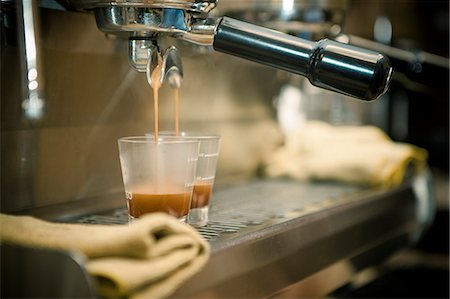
{"points": [[270, 235], [253, 207]]}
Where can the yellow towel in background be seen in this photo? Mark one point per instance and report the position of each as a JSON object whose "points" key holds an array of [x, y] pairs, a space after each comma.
{"points": [[360, 155], [149, 258]]}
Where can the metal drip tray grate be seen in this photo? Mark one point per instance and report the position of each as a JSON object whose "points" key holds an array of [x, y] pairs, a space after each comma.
{"points": [[256, 206], [212, 230], [269, 235], [119, 216]]}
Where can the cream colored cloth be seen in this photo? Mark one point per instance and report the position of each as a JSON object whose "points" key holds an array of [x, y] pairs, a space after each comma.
{"points": [[361, 155], [149, 258]]}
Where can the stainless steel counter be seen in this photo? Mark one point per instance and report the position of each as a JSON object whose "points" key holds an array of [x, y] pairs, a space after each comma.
{"points": [[268, 236], [294, 231]]}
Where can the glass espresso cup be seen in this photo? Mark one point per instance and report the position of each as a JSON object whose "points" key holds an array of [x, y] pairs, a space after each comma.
{"points": [[158, 176], [205, 174]]}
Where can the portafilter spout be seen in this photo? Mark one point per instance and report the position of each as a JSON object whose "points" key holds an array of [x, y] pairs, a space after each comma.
{"points": [[171, 69], [342, 68]]}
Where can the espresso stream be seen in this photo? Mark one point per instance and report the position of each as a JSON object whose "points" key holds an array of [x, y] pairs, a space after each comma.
{"points": [[176, 204], [156, 85], [176, 97]]}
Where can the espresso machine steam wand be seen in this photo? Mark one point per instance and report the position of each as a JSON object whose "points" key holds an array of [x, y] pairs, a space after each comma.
{"points": [[342, 68]]}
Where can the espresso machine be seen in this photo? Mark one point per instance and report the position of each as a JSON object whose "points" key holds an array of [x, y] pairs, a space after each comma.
{"points": [[356, 72], [71, 98]]}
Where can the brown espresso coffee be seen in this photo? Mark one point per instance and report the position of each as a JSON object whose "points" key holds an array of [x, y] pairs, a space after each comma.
{"points": [[174, 204], [156, 85], [201, 195], [176, 99]]}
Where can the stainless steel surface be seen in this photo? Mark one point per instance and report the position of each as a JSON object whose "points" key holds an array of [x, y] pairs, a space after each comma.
{"points": [[269, 235], [155, 21], [145, 24], [142, 51], [264, 203], [197, 6], [172, 68], [33, 102], [70, 155], [349, 70], [338, 67], [279, 5], [37, 273], [67, 163], [296, 230], [309, 19]]}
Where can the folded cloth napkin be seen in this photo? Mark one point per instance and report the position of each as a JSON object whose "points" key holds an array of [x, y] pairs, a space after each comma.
{"points": [[149, 258], [361, 155]]}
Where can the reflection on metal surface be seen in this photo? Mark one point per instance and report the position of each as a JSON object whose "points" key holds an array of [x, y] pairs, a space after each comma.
{"points": [[142, 53], [297, 234], [33, 103], [327, 64], [426, 202], [69, 162], [310, 227], [158, 19], [309, 19], [172, 68], [198, 6], [268, 237], [42, 273]]}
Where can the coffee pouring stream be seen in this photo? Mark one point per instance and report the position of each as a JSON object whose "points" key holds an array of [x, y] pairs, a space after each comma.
{"points": [[160, 68], [338, 67]]}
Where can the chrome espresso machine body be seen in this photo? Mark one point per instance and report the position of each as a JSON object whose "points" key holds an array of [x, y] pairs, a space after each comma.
{"points": [[60, 161], [350, 70]]}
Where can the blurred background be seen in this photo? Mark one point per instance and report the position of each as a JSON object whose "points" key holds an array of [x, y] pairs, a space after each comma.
{"points": [[67, 159]]}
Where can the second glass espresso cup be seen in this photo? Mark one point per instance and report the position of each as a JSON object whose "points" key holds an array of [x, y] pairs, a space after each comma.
{"points": [[205, 175], [158, 176]]}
